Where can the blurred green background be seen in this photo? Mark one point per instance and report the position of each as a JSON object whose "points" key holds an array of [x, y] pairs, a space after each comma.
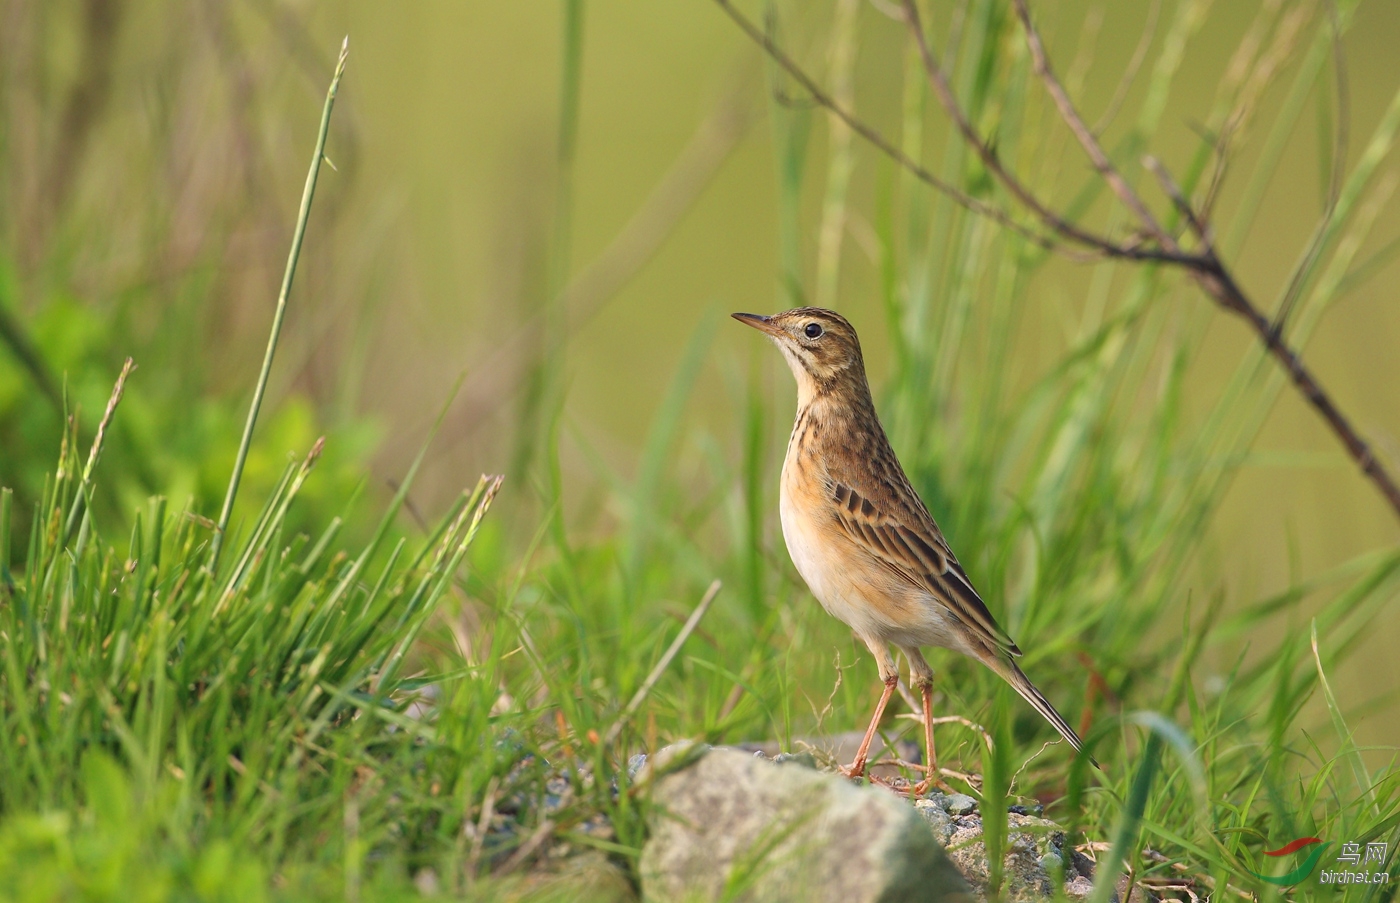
{"points": [[151, 159]]}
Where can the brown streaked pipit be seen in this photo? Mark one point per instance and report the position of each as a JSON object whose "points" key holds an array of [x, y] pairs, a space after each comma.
{"points": [[862, 538]]}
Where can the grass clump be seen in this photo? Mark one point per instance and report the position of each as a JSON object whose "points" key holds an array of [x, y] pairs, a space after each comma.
{"points": [[226, 693]]}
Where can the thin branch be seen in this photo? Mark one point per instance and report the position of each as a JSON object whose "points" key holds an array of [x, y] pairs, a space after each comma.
{"points": [[1179, 200], [1205, 267], [1101, 245], [1081, 131], [941, 86], [872, 135], [1215, 279]]}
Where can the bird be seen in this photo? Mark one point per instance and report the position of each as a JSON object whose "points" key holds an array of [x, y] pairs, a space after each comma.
{"points": [[864, 541]]}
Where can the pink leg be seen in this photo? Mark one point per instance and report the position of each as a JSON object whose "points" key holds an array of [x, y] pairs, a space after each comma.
{"points": [[931, 778], [857, 768]]}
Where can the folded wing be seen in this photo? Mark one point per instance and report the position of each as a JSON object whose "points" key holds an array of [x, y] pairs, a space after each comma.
{"points": [[910, 545]]}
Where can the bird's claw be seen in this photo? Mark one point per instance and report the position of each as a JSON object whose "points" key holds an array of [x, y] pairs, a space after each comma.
{"points": [[919, 789]]}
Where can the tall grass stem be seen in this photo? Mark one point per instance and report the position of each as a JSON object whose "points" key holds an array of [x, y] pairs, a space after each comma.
{"points": [[297, 236]]}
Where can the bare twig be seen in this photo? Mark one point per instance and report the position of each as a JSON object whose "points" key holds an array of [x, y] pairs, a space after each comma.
{"points": [[910, 700], [1099, 245], [1216, 280], [1204, 266], [872, 135], [938, 79], [1081, 131], [1178, 198]]}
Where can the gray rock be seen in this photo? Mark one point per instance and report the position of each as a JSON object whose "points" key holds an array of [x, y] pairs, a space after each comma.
{"points": [[729, 826], [961, 804]]}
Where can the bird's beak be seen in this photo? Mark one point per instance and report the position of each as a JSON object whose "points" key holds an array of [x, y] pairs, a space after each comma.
{"points": [[759, 322]]}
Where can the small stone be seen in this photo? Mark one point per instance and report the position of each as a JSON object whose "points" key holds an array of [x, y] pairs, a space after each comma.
{"points": [[961, 804], [557, 791], [1079, 888], [803, 759], [733, 827], [937, 818], [937, 797]]}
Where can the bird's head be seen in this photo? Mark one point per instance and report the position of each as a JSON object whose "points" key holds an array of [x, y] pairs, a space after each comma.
{"points": [[820, 346]]}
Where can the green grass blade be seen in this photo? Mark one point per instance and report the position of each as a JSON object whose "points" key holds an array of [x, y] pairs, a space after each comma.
{"points": [[1349, 750], [303, 215]]}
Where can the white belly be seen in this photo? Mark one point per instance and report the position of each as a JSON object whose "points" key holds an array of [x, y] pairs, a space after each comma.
{"points": [[839, 594], [854, 592]]}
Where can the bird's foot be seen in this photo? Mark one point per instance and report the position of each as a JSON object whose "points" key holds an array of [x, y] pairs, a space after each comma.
{"points": [[923, 786], [855, 771], [932, 779], [858, 770]]}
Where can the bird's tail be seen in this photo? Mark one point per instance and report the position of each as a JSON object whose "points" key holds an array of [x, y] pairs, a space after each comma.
{"points": [[1022, 684]]}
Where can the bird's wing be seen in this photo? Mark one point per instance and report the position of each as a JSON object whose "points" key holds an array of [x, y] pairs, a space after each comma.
{"points": [[909, 543]]}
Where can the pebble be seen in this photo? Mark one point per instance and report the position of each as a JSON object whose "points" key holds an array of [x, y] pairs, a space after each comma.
{"points": [[932, 812], [961, 804], [803, 759], [1079, 888]]}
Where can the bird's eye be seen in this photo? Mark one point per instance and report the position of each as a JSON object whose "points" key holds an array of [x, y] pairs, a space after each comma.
{"points": [[813, 330]]}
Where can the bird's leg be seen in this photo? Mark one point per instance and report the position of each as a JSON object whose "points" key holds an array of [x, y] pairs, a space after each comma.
{"points": [[857, 768], [921, 676], [931, 778]]}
